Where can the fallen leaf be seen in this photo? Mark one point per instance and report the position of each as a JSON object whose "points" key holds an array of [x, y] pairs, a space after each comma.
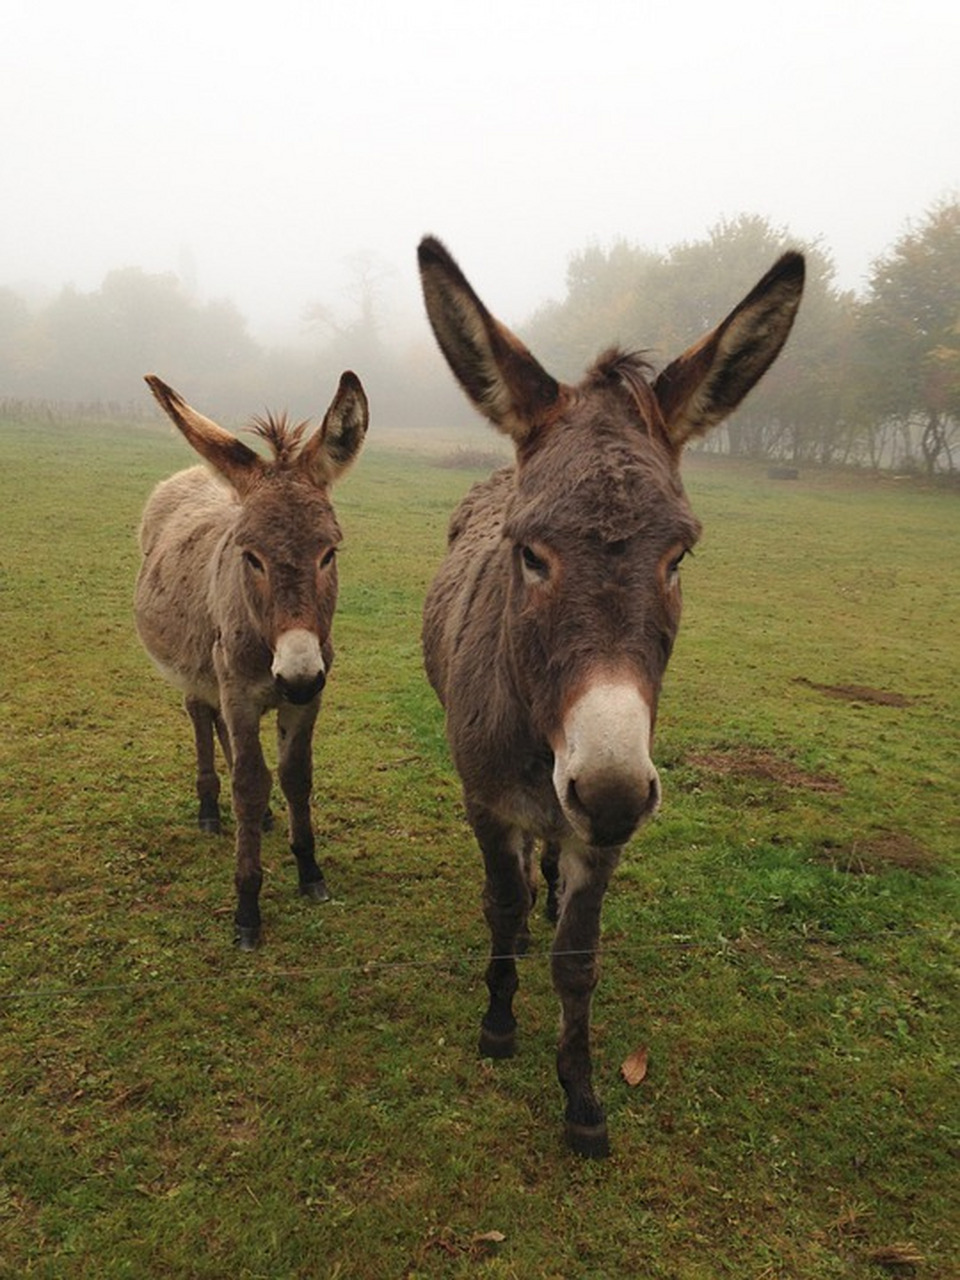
{"points": [[635, 1066], [490, 1237]]}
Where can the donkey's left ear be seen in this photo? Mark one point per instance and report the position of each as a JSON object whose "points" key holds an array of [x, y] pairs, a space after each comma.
{"points": [[705, 384], [332, 449]]}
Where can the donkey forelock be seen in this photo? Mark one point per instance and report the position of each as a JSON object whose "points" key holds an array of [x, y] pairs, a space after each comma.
{"points": [[285, 438], [631, 370]]}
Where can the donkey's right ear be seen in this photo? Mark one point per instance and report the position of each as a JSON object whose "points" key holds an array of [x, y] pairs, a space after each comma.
{"points": [[492, 365], [235, 461]]}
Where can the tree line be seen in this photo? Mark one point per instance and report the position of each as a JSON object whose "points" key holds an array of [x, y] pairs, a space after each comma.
{"points": [[870, 380], [867, 380]]}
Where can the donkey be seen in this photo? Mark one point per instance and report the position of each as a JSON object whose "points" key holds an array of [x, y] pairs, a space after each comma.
{"points": [[549, 624], [234, 603]]}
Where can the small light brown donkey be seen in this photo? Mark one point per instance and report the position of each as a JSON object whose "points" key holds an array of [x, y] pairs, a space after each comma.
{"points": [[234, 604], [548, 627]]}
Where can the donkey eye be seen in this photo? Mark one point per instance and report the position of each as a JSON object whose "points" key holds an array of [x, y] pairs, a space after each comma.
{"points": [[253, 561], [673, 568], [534, 566], [328, 558]]}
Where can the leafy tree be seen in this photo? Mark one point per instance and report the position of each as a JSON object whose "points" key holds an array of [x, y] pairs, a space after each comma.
{"points": [[632, 295], [15, 319], [98, 346], [605, 289], [910, 333]]}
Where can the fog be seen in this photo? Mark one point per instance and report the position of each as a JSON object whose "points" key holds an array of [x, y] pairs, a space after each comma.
{"points": [[255, 150]]}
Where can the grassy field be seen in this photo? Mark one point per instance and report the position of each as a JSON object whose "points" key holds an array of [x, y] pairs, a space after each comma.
{"points": [[781, 940]]}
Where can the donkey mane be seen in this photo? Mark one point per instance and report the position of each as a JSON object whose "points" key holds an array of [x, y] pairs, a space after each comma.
{"points": [[283, 436]]}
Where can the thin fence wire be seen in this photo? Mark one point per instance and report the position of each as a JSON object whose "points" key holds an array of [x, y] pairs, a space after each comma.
{"points": [[449, 962]]}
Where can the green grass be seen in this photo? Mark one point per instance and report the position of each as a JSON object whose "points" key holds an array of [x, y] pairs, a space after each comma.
{"points": [[781, 938]]}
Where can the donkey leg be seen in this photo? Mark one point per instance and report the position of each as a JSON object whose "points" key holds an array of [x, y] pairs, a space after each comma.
{"points": [[585, 875], [251, 794], [295, 741], [550, 870], [522, 945], [507, 898], [203, 717], [223, 734], [223, 737]]}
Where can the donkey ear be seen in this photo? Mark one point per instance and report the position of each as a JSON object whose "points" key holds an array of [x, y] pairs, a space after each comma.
{"points": [[701, 387], [331, 450], [492, 365], [235, 461]]}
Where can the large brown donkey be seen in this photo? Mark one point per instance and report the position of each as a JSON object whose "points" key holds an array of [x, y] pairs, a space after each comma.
{"points": [[235, 602], [548, 627]]}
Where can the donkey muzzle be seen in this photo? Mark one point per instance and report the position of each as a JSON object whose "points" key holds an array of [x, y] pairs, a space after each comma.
{"points": [[298, 668], [603, 775], [300, 694]]}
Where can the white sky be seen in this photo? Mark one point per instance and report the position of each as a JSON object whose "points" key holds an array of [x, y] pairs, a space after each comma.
{"points": [[270, 141]]}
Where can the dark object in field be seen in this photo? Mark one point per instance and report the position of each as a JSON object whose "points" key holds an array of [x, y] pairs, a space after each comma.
{"points": [[234, 604], [783, 473], [548, 627]]}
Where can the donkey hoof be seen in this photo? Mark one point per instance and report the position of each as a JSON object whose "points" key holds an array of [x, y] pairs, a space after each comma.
{"points": [[246, 936], [210, 826], [497, 1044], [589, 1140], [315, 890]]}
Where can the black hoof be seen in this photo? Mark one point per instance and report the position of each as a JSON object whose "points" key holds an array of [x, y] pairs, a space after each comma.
{"points": [[589, 1140], [210, 826], [315, 890], [246, 936], [494, 1044]]}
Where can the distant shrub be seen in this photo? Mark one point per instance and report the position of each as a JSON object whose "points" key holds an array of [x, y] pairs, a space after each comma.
{"points": [[464, 459]]}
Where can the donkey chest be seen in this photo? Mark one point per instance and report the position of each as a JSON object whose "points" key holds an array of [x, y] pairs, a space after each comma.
{"points": [[515, 781], [534, 810], [241, 661]]}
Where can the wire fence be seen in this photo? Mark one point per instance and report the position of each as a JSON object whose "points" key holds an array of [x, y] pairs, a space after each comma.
{"points": [[449, 962]]}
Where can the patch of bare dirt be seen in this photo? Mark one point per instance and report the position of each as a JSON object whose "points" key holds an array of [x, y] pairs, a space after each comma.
{"points": [[858, 693], [818, 961], [881, 851], [755, 762]]}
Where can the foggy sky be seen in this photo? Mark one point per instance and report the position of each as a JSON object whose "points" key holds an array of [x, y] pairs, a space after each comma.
{"points": [[254, 148]]}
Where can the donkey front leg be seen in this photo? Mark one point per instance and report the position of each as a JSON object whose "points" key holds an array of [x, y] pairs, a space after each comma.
{"points": [[507, 898], [204, 718], [295, 744], [251, 797], [585, 874]]}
